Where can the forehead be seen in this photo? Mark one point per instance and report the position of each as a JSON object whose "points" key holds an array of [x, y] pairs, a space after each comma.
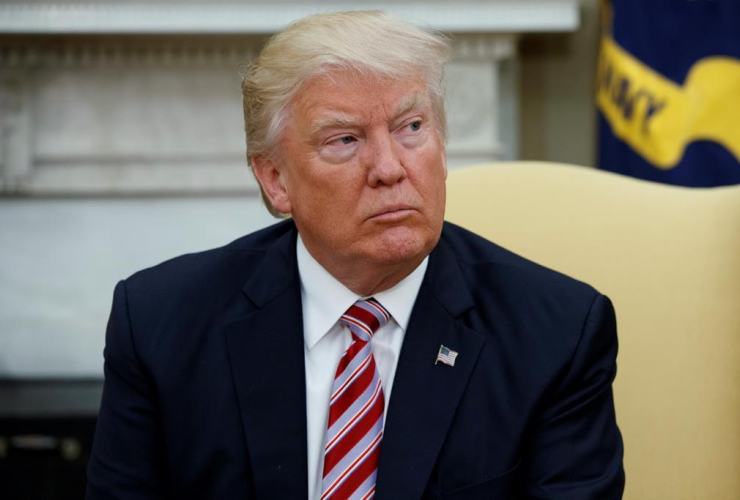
{"points": [[355, 97]]}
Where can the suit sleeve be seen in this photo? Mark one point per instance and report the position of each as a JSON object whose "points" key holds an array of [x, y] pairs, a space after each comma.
{"points": [[127, 459], [575, 450]]}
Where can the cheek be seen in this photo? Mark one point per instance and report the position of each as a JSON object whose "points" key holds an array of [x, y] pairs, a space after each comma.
{"points": [[327, 201], [432, 175]]}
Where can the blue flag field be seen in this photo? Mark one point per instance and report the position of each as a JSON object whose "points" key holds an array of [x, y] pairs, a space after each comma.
{"points": [[668, 90]]}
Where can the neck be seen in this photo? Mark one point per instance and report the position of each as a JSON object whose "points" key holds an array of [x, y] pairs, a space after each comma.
{"points": [[376, 280], [366, 279]]}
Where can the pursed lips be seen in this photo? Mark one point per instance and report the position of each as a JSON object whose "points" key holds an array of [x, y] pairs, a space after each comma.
{"points": [[392, 212]]}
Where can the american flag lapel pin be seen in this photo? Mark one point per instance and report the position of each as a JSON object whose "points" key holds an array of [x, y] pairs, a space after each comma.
{"points": [[446, 356]]}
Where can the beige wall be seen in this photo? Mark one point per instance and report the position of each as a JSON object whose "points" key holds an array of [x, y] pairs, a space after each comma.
{"points": [[558, 115]]}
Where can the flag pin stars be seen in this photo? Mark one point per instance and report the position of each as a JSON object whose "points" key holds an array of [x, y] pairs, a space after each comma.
{"points": [[446, 356]]}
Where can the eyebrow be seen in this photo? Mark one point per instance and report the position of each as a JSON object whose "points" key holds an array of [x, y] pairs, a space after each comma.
{"points": [[410, 103], [407, 104], [341, 121]]}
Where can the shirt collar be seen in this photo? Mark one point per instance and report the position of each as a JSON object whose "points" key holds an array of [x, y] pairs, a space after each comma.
{"points": [[325, 299]]}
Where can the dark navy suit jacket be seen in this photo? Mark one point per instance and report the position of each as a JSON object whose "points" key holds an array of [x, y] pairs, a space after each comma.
{"points": [[204, 392]]}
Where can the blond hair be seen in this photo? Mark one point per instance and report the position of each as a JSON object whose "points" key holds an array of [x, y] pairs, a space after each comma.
{"points": [[367, 42]]}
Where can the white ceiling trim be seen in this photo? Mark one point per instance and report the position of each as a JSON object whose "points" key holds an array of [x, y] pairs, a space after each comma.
{"points": [[492, 16]]}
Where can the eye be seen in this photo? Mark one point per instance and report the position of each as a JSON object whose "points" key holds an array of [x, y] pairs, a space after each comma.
{"points": [[339, 148], [344, 140], [415, 126]]}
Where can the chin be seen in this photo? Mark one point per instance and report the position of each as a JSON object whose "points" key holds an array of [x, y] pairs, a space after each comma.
{"points": [[400, 245]]}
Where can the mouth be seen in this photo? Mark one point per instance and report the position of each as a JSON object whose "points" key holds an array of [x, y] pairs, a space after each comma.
{"points": [[392, 213]]}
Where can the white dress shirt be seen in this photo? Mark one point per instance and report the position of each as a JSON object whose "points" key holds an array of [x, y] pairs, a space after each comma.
{"points": [[324, 300]]}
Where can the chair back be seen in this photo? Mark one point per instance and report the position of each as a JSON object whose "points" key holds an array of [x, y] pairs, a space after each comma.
{"points": [[669, 258]]}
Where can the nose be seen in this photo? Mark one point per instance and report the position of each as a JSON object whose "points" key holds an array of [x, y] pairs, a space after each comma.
{"points": [[384, 162]]}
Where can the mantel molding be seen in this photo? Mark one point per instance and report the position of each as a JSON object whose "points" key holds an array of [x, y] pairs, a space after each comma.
{"points": [[251, 17], [111, 54], [182, 52], [94, 110]]}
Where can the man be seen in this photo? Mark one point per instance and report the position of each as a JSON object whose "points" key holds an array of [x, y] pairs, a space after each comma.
{"points": [[363, 348]]}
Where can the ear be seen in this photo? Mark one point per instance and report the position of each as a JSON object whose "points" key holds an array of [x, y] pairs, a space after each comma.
{"points": [[269, 173], [444, 161]]}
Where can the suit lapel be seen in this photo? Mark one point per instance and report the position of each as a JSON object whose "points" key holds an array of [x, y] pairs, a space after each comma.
{"points": [[425, 395], [267, 360]]}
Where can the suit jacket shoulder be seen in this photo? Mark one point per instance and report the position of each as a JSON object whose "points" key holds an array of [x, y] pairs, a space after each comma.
{"points": [[182, 301], [476, 253], [210, 269], [500, 280]]}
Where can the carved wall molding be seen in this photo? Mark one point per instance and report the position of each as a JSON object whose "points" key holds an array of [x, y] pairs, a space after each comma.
{"points": [[185, 52], [266, 17], [485, 47], [63, 105], [137, 97], [16, 156], [111, 52]]}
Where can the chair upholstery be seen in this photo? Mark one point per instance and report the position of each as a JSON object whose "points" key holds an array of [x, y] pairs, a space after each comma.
{"points": [[669, 258]]}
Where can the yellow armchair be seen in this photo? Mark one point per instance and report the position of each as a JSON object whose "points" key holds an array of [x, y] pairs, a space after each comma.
{"points": [[669, 258]]}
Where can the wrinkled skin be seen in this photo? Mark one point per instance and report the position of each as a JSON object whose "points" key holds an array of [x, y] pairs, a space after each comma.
{"points": [[361, 169]]}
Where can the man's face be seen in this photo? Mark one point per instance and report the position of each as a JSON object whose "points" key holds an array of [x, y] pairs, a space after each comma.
{"points": [[363, 171]]}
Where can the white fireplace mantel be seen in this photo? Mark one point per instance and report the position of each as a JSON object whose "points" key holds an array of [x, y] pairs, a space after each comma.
{"points": [[64, 17], [104, 104]]}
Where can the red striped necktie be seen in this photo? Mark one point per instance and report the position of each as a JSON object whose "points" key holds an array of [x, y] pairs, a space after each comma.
{"points": [[355, 426]]}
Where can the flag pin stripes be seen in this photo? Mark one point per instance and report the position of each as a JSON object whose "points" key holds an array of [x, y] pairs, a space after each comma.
{"points": [[446, 356]]}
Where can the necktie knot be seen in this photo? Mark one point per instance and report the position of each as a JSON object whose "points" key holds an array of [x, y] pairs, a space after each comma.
{"points": [[364, 318]]}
